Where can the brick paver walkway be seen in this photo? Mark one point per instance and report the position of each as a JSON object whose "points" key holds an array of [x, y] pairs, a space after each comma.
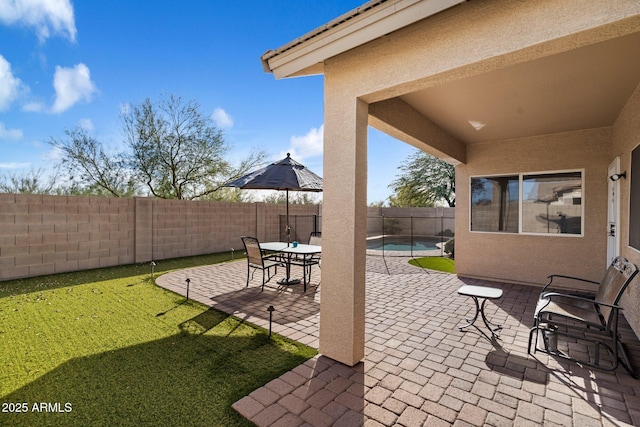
{"points": [[419, 368]]}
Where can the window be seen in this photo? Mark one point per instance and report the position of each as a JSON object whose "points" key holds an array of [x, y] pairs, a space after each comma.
{"points": [[541, 203], [552, 203], [494, 204]]}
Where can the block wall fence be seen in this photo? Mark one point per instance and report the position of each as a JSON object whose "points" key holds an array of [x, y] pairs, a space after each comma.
{"points": [[411, 221], [41, 234]]}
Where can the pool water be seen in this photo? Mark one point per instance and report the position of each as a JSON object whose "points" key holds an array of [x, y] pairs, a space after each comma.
{"points": [[395, 243]]}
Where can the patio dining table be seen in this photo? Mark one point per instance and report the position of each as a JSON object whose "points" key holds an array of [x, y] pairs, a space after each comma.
{"points": [[301, 254]]}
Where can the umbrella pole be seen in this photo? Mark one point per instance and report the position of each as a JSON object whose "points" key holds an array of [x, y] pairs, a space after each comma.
{"points": [[288, 229]]}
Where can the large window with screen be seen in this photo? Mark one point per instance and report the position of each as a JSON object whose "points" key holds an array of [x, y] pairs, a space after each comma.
{"points": [[533, 203], [552, 203], [494, 204]]}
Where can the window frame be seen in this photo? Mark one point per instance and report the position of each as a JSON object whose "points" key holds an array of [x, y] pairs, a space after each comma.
{"points": [[520, 176], [505, 175]]}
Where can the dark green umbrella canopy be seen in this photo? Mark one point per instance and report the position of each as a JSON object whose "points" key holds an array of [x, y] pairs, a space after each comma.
{"points": [[285, 174]]}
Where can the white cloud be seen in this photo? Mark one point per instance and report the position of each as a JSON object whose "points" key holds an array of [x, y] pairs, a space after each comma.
{"points": [[72, 85], [10, 86], [86, 124], [9, 133], [14, 165], [221, 118], [33, 107], [47, 17], [54, 154], [305, 146]]}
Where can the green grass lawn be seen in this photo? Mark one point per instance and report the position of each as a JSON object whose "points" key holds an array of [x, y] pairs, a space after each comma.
{"points": [[435, 263], [108, 347]]}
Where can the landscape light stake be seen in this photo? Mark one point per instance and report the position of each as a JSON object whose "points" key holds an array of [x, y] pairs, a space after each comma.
{"points": [[188, 281], [153, 266], [270, 310], [232, 254]]}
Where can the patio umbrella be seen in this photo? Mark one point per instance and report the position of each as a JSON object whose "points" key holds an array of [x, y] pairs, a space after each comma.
{"points": [[285, 174]]}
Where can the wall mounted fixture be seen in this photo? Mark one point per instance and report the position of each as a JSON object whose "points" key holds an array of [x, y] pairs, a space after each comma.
{"points": [[618, 176]]}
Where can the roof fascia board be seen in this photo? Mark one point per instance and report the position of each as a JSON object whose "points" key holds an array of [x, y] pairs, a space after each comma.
{"points": [[362, 28], [307, 46]]}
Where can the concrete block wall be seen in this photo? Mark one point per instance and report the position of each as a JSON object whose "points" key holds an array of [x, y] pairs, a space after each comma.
{"points": [[53, 234], [186, 228], [423, 221]]}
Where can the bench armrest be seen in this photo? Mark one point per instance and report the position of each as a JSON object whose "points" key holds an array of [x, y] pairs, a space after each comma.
{"points": [[553, 276], [550, 295]]}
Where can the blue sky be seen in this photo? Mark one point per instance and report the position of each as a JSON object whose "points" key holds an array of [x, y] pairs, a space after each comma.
{"points": [[76, 63]]}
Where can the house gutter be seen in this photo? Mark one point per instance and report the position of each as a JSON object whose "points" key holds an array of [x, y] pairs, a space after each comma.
{"points": [[306, 55]]}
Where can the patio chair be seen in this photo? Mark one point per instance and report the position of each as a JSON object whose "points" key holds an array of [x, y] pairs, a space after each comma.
{"points": [[306, 260], [590, 319], [256, 260], [315, 238]]}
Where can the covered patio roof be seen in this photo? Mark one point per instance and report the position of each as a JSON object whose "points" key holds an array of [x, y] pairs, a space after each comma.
{"points": [[581, 82]]}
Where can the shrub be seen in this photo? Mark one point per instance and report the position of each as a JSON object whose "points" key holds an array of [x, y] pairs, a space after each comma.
{"points": [[449, 247], [447, 233]]}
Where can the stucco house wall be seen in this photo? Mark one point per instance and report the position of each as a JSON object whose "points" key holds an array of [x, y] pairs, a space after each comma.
{"points": [[524, 258], [626, 137], [381, 82]]}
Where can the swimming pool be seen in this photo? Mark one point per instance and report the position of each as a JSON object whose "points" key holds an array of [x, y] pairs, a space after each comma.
{"points": [[403, 243]]}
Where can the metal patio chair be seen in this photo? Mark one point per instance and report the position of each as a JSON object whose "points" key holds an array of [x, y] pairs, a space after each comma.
{"points": [[256, 260], [315, 238], [589, 319]]}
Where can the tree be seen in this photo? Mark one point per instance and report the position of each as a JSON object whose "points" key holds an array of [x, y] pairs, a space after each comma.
{"points": [[97, 172], [230, 194], [172, 151], [407, 196], [295, 198], [176, 152], [32, 182], [424, 181]]}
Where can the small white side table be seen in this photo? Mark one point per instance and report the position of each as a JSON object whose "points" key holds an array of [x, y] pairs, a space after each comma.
{"points": [[485, 293]]}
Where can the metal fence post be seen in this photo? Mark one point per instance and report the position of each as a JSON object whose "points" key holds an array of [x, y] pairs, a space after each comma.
{"points": [[411, 233], [442, 233], [383, 247]]}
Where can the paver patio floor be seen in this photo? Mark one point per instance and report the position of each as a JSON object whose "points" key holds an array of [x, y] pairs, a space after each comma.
{"points": [[419, 368]]}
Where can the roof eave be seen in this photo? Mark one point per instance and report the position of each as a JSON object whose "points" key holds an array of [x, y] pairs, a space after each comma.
{"points": [[374, 19]]}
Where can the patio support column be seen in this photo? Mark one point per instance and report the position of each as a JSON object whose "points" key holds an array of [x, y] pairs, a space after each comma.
{"points": [[344, 227]]}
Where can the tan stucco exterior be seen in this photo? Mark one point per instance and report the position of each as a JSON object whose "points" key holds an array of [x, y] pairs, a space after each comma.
{"points": [[531, 258], [626, 137], [344, 229], [422, 83]]}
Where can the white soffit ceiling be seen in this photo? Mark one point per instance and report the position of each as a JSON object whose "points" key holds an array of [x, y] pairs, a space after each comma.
{"points": [[580, 89]]}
